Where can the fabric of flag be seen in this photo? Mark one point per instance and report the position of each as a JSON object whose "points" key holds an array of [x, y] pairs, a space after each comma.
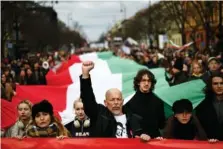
{"points": [[109, 72], [105, 143]]}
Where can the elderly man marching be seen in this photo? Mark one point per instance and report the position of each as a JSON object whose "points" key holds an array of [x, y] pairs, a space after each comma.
{"points": [[111, 119]]}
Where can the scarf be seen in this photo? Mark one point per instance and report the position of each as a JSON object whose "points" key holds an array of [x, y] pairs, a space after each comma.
{"points": [[51, 131], [197, 75]]}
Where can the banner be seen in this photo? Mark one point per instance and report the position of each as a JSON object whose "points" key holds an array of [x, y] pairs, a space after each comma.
{"points": [[53, 143]]}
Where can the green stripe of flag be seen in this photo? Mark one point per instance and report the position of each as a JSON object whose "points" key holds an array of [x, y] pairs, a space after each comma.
{"points": [[191, 90]]}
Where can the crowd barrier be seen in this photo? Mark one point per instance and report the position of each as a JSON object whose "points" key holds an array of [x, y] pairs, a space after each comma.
{"points": [[101, 143]]}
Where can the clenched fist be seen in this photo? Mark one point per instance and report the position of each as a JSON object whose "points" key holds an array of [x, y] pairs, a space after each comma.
{"points": [[87, 66]]}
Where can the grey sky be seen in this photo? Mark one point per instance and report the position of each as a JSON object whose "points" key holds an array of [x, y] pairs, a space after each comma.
{"points": [[96, 17]]}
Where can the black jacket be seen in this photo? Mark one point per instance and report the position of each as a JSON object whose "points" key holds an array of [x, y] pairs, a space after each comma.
{"points": [[190, 131], [103, 123], [151, 109], [75, 131], [39, 77], [207, 75], [192, 77], [21, 80], [31, 80], [178, 78], [208, 118]]}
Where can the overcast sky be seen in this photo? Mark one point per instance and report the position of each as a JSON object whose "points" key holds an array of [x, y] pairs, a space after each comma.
{"points": [[96, 17]]}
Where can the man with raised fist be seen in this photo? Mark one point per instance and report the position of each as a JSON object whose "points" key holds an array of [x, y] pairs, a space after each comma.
{"points": [[111, 119]]}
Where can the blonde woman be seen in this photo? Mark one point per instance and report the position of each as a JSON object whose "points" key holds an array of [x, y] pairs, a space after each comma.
{"points": [[80, 126], [44, 123], [196, 70], [24, 109]]}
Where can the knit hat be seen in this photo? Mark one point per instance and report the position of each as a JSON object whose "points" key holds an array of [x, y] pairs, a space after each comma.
{"points": [[213, 58], [183, 105], [178, 64], [43, 106]]}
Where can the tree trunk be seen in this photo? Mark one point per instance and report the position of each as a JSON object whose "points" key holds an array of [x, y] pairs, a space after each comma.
{"points": [[183, 35], [220, 19], [208, 31], [194, 40]]}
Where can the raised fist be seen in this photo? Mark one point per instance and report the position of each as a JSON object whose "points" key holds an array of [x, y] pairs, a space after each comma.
{"points": [[87, 66]]}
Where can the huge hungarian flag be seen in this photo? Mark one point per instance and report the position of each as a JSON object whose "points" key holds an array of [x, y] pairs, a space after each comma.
{"points": [[109, 72]]}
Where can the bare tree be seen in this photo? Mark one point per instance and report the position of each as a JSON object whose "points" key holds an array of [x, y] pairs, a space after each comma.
{"points": [[205, 10], [36, 25]]}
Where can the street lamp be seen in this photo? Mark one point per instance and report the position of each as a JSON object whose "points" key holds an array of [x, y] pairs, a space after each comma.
{"points": [[123, 9], [54, 2]]}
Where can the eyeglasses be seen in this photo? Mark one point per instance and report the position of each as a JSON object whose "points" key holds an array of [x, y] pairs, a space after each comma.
{"points": [[217, 83]]}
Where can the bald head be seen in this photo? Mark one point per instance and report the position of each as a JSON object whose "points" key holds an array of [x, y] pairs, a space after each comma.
{"points": [[114, 101], [113, 92]]}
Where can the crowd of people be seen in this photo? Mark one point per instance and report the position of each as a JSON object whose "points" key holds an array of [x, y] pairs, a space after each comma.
{"points": [[31, 69], [141, 117]]}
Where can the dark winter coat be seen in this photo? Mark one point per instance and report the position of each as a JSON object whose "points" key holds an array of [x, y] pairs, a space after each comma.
{"points": [[151, 109], [103, 123]]}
